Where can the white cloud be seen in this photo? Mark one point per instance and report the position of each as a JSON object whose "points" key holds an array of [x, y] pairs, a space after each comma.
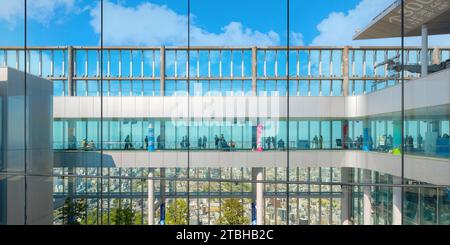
{"points": [[296, 39], [339, 28], [153, 24], [42, 11]]}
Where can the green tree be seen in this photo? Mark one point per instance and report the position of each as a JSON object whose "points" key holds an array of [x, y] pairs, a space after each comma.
{"points": [[123, 216], [177, 213], [233, 213], [73, 211]]}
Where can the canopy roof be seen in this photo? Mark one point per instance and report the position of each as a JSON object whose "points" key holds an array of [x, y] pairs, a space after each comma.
{"points": [[434, 13]]}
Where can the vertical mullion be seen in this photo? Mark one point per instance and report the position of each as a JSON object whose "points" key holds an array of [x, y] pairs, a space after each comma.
{"points": [[309, 63], [153, 64], [142, 66], [131, 63], [220, 64], [242, 64], [198, 64], [98, 64], [120, 63], [40, 63], [52, 63], [86, 63], [265, 64], [175, 63]]}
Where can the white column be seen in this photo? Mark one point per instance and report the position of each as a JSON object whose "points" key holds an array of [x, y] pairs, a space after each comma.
{"points": [[346, 201], [150, 199], [397, 203], [424, 51], [162, 185], [367, 199], [259, 197]]}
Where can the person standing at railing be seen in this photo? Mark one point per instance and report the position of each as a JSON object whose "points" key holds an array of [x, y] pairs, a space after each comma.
{"points": [[127, 142], [315, 142], [204, 142], [419, 142], [281, 144], [216, 141], [146, 142], [73, 143]]}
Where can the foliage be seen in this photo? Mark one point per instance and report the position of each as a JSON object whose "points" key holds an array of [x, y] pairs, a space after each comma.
{"points": [[72, 212], [123, 216], [177, 213], [233, 213]]}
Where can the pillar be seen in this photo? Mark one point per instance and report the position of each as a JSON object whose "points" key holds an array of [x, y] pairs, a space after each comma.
{"points": [[345, 134], [397, 202], [345, 71], [150, 199], [70, 71], [424, 51], [162, 185], [254, 70], [346, 202], [367, 198], [258, 194]]}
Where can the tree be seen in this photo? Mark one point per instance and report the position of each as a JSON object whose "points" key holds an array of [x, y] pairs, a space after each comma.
{"points": [[177, 213], [233, 213], [123, 216], [72, 212]]}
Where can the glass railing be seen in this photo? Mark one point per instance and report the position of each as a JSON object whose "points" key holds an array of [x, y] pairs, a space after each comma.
{"points": [[440, 149]]}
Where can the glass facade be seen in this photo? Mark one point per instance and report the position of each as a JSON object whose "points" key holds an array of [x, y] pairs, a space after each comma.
{"points": [[124, 128]]}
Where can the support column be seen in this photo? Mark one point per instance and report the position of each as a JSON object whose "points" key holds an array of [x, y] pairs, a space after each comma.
{"points": [[424, 51], [397, 202], [258, 194], [344, 136], [162, 185], [162, 136], [367, 201], [150, 198], [345, 71], [346, 202], [254, 70], [70, 71], [162, 71]]}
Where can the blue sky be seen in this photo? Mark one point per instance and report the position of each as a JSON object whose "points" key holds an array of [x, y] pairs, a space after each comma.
{"points": [[213, 22]]}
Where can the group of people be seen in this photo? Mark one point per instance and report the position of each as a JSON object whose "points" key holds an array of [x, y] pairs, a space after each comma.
{"points": [[87, 146], [317, 142], [221, 143], [201, 143], [271, 143], [358, 143], [184, 142]]}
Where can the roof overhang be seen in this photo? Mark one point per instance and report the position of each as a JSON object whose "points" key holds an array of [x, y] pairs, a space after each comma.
{"points": [[434, 13]]}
